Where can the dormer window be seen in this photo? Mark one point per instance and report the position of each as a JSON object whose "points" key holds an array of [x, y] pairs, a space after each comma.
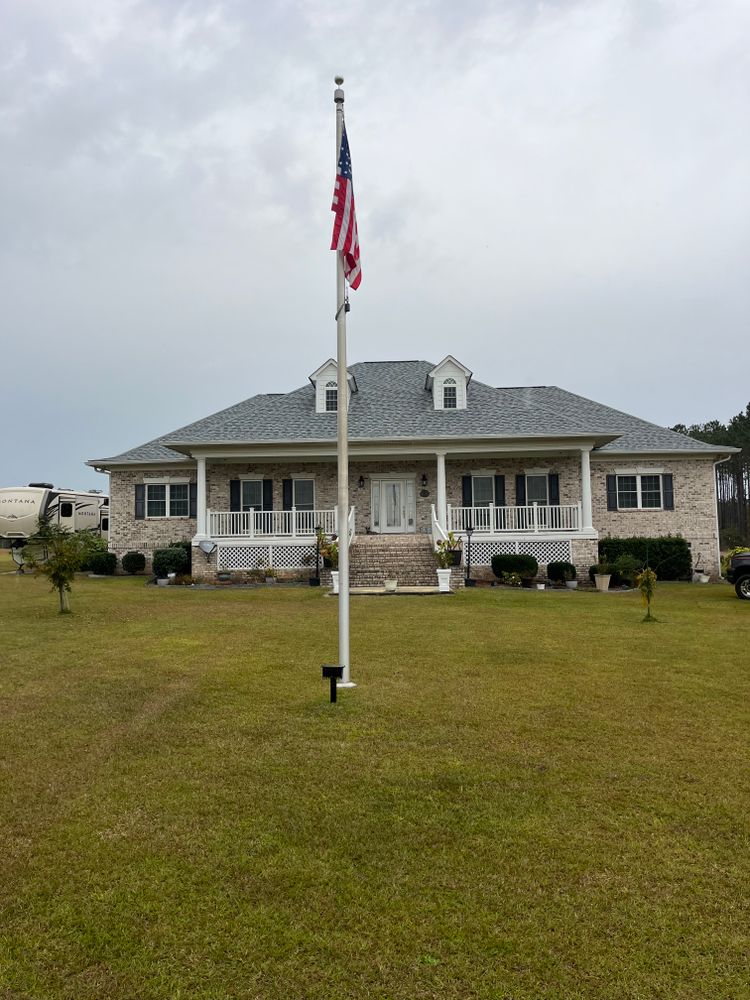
{"points": [[325, 383], [448, 382], [450, 401], [332, 396]]}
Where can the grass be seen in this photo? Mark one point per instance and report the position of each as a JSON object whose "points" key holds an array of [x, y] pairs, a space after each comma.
{"points": [[529, 795]]}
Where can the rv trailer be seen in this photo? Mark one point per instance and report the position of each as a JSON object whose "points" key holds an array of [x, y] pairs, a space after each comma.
{"points": [[22, 506]]}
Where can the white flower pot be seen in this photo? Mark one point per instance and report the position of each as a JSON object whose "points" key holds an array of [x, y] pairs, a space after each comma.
{"points": [[444, 581], [162, 582], [334, 581], [390, 586], [602, 581], [540, 586], [571, 584]]}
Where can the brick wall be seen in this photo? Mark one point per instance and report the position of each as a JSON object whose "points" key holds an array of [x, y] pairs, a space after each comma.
{"points": [[125, 533], [693, 517]]}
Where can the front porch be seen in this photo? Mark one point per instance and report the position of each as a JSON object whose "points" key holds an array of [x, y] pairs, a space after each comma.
{"points": [[421, 497]]}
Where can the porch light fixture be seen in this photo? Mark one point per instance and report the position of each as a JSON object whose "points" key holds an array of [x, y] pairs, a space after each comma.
{"points": [[424, 480], [361, 482]]}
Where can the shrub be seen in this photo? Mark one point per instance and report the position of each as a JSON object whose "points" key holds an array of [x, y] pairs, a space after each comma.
{"points": [[134, 562], [559, 572], [102, 563], [524, 566], [668, 555], [171, 560], [92, 544], [188, 548], [627, 568]]}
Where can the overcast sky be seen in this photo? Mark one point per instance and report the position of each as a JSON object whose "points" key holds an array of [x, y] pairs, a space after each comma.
{"points": [[556, 193]]}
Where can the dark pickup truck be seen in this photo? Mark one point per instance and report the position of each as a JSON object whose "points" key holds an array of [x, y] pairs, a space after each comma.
{"points": [[739, 574]]}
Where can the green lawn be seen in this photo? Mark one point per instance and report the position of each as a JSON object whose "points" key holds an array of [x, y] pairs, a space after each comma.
{"points": [[529, 795]]}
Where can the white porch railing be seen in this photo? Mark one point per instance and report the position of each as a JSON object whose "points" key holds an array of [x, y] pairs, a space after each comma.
{"points": [[534, 517], [438, 534], [271, 523]]}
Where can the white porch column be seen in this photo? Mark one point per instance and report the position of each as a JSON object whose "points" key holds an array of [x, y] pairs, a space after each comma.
{"points": [[441, 497], [201, 526], [588, 521]]}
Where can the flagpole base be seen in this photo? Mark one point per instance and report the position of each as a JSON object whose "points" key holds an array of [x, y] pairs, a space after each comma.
{"points": [[345, 684]]}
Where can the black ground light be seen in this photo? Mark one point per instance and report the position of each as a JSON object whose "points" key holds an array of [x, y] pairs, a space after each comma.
{"points": [[332, 672]]}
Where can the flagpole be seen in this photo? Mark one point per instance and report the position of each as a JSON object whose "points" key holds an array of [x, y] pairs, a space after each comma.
{"points": [[342, 424]]}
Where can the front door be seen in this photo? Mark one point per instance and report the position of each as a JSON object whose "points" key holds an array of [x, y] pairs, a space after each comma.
{"points": [[393, 506]]}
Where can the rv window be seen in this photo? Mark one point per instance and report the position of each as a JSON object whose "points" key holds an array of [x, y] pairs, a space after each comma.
{"points": [[66, 510], [105, 524]]}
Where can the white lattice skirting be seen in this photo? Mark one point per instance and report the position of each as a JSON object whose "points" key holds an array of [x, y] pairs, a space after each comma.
{"points": [[543, 552], [281, 556]]}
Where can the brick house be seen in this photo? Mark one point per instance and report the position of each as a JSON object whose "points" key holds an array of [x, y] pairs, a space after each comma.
{"points": [[533, 469]]}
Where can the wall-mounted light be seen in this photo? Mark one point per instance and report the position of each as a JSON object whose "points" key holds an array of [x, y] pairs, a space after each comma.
{"points": [[424, 480], [361, 482]]}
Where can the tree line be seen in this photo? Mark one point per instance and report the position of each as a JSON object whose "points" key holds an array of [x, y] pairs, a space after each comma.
{"points": [[732, 476]]}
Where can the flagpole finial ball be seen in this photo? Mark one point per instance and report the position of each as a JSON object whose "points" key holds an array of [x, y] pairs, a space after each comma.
{"points": [[338, 80]]}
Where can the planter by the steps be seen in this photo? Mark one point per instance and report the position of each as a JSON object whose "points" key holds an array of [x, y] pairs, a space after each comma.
{"points": [[390, 586], [571, 584], [334, 581], [602, 581], [444, 581]]}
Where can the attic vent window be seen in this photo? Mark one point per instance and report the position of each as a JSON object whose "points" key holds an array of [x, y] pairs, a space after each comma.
{"points": [[332, 395], [450, 400]]}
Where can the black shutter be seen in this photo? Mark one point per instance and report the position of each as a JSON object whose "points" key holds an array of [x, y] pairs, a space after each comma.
{"points": [[611, 492], [235, 494], [554, 488], [520, 490], [268, 494], [500, 491], [140, 501], [286, 494], [193, 492], [466, 495], [667, 491]]}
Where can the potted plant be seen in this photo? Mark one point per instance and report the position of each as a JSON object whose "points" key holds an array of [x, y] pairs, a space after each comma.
{"points": [[445, 558], [602, 574], [390, 586], [329, 550], [269, 574], [450, 547]]}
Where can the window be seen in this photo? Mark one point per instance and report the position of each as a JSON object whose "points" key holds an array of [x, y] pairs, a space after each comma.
{"points": [[332, 397], [639, 491], [450, 398], [537, 489], [482, 491], [303, 494], [163, 500], [252, 494], [105, 524], [66, 509]]}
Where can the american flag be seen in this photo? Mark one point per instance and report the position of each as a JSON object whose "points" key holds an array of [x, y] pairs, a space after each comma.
{"points": [[345, 236]]}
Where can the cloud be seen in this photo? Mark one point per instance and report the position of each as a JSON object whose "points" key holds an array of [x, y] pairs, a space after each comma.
{"points": [[554, 192]]}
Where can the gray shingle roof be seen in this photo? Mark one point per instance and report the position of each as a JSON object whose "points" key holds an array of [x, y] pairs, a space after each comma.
{"points": [[392, 403]]}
